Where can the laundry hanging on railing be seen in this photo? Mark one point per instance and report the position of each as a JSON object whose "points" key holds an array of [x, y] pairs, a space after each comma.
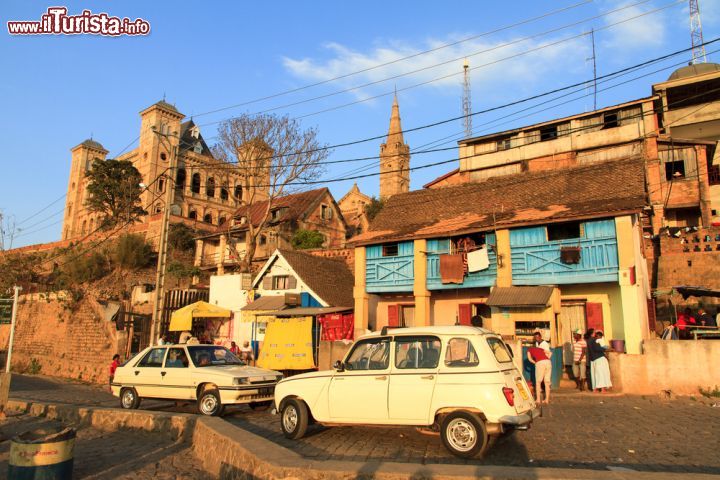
{"points": [[478, 260], [452, 268]]}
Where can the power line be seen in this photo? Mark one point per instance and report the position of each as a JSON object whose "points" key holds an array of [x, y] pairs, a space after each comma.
{"points": [[444, 77], [408, 57]]}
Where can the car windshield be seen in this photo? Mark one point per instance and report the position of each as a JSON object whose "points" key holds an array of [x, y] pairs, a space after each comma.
{"points": [[209, 356]]}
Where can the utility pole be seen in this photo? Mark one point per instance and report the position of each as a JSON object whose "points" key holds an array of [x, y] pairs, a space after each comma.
{"points": [[159, 297], [12, 327], [696, 36], [592, 38]]}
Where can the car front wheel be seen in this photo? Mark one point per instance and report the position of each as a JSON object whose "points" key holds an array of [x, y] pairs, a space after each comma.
{"points": [[464, 434], [209, 403], [294, 418], [129, 399]]}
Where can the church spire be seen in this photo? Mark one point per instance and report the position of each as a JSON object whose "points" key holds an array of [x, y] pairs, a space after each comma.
{"points": [[394, 158], [395, 135]]}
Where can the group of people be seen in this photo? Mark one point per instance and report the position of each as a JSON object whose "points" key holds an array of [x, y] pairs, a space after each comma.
{"points": [[591, 346], [686, 321]]}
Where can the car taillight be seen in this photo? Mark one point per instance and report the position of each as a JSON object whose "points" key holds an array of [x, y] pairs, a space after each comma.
{"points": [[509, 396]]}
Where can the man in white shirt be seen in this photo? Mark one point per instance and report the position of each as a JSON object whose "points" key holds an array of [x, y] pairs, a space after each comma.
{"points": [[541, 343]]}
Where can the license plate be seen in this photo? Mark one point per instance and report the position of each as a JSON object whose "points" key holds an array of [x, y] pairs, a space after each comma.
{"points": [[522, 391]]}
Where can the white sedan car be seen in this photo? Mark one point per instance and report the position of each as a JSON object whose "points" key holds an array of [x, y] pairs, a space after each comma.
{"points": [[458, 381], [208, 374]]}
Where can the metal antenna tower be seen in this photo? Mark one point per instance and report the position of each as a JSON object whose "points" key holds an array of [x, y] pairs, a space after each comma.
{"points": [[467, 107], [696, 36]]}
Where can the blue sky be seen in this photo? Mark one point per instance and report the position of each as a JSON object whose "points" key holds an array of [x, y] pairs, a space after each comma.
{"points": [[56, 91]]}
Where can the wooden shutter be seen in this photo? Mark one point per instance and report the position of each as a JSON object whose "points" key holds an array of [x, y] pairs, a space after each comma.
{"points": [[465, 314], [292, 282], [267, 282], [594, 316], [393, 315]]}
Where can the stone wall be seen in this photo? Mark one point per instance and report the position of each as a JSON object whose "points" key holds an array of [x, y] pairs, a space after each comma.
{"points": [[680, 366], [64, 338]]}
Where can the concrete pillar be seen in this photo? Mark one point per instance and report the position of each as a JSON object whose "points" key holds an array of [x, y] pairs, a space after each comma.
{"points": [[703, 185], [221, 255], [633, 306], [360, 294], [199, 245], [420, 291], [504, 272]]}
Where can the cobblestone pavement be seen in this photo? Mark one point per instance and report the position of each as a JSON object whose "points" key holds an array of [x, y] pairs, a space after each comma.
{"points": [[581, 431], [120, 454], [576, 430]]}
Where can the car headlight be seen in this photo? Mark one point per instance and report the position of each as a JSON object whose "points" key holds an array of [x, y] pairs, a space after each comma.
{"points": [[240, 381]]}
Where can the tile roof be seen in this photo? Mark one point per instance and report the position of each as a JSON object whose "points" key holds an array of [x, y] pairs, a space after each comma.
{"points": [[297, 204], [329, 278], [519, 296], [269, 302], [524, 199]]}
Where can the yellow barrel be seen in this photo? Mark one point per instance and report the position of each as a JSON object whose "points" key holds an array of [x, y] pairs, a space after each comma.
{"points": [[43, 454]]}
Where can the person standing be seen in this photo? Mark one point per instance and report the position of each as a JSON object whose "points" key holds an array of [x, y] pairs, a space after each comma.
{"points": [[579, 367], [543, 372], [599, 366], [113, 366], [705, 319]]}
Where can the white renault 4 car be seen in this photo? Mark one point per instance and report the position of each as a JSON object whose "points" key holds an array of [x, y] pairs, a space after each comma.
{"points": [[208, 374], [460, 381]]}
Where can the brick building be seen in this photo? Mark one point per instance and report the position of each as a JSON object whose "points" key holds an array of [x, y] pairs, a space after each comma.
{"points": [[315, 210], [205, 191]]}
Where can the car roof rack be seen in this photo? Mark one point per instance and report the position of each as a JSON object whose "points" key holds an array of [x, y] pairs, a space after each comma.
{"points": [[384, 330]]}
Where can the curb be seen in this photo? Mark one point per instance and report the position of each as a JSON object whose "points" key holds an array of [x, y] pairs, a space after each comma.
{"points": [[229, 452]]}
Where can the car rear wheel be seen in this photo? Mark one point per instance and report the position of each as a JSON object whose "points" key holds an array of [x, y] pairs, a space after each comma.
{"points": [[209, 403], [464, 434], [294, 418], [129, 399]]}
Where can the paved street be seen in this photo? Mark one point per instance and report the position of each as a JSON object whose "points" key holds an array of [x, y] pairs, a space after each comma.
{"points": [[587, 431], [120, 454]]}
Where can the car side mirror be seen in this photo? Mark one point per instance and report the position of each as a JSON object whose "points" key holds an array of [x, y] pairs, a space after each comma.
{"points": [[339, 366]]}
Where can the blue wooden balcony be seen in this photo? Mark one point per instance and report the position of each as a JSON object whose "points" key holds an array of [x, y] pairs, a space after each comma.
{"points": [[390, 273], [483, 278], [536, 261]]}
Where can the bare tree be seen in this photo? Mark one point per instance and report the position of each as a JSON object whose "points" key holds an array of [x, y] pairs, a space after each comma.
{"points": [[8, 230], [273, 154]]}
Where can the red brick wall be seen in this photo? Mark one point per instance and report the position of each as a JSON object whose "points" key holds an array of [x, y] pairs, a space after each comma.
{"points": [[346, 254], [75, 343]]}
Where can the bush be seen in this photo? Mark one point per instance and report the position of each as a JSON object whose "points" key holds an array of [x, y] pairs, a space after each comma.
{"points": [[181, 237], [86, 268], [34, 367], [373, 208], [133, 252], [181, 270], [304, 239]]}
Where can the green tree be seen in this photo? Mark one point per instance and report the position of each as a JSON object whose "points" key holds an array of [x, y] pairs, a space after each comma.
{"points": [[114, 192], [304, 239], [181, 237], [133, 252], [373, 208]]}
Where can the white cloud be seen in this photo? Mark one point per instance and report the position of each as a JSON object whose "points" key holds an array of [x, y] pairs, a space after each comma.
{"points": [[637, 34], [492, 74]]}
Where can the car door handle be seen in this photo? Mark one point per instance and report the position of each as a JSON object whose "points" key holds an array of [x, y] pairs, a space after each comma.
{"points": [[381, 377], [428, 377], [163, 373], [137, 372]]}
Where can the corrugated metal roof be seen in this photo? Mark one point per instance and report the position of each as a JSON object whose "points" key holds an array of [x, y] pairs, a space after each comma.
{"points": [[520, 296], [302, 311], [269, 302]]}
